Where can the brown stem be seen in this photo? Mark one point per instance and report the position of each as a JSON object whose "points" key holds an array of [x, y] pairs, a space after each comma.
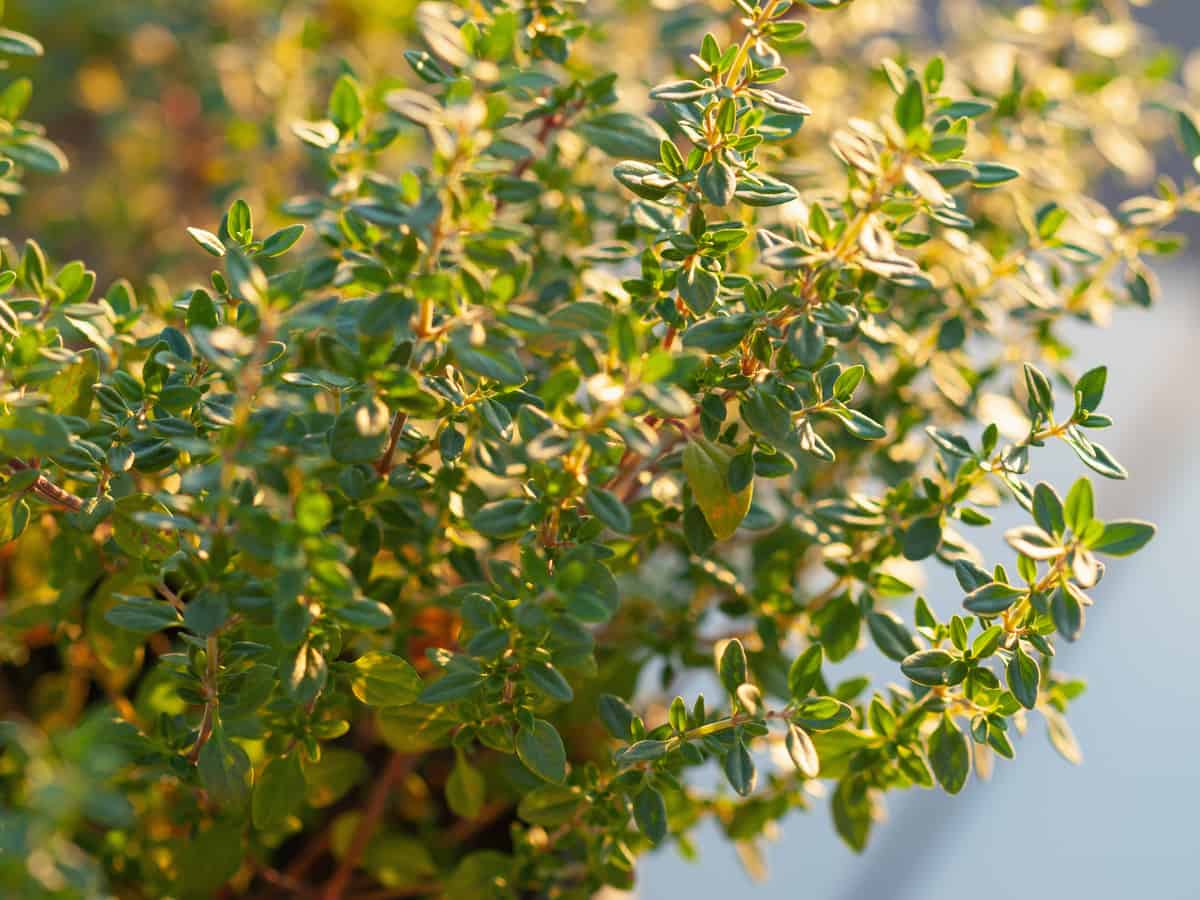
{"points": [[385, 462], [47, 489], [212, 649], [398, 766]]}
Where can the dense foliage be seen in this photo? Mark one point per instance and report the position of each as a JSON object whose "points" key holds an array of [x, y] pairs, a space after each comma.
{"points": [[369, 567]]}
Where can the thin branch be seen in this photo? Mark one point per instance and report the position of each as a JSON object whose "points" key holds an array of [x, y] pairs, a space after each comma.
{"points": [[47, 489], [212, 669], [384, 466], [398, 766]]}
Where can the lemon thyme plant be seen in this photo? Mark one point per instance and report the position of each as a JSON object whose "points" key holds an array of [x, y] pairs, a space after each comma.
{"points": [[370, 567]]}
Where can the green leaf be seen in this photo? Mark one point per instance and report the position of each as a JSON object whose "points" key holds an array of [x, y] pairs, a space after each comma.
{"points": [[384, 679], [1190, 136], [987, 643], [623, 134], [847, 382], [890, 635], [36, 152], [27, 432], [853, 812], [239, 222], [650, 813], [143, 615], [732, 667], [541, 750], [209, 858], [1097, 458], [821, 713], [1023, 678], [805, 671], [642, 751], [137, 528], [1090, 388], [549, 805], [739, 770], [345, 104], [224, 769], [208, 241], [910, 106], [14, 43], [360, 433], [505, 518], [425, 66], [417, 728], [451, 686], [741, 471], [669, 155], [949, 755], [1078, 509], [72, 389], [839, 625], [992, 599], [1123, 538], [608, 508], [206, 613], [933, 667], [922, 538], [777, 102], [806, 340], [1039, 394], [720, 333], [281, 241], [717, 182], [969, 109], [706, 466], [550, 681], [616, 716], [643, 179], [278, 793], [201, 311], [322, 135], [246, 280], [678, 91], [1067, 612], [1061, 736], [698, 287], [765, 191], [466, 789], [989, 174], [1048, 509], [860, 425], [802, 751]]}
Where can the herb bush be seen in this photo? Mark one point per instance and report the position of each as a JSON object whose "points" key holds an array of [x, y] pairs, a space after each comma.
{"points": [[370, 567]]}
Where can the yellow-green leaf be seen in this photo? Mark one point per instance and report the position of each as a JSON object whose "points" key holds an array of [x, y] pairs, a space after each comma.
{"points": [[706, 466]]}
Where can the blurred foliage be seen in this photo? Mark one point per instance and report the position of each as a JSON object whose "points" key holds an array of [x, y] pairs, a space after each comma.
{"points": [[558, 357], [168, 108]]}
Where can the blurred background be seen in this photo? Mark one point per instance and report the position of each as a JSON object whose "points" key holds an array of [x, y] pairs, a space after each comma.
{"points": [[168, 108]]}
